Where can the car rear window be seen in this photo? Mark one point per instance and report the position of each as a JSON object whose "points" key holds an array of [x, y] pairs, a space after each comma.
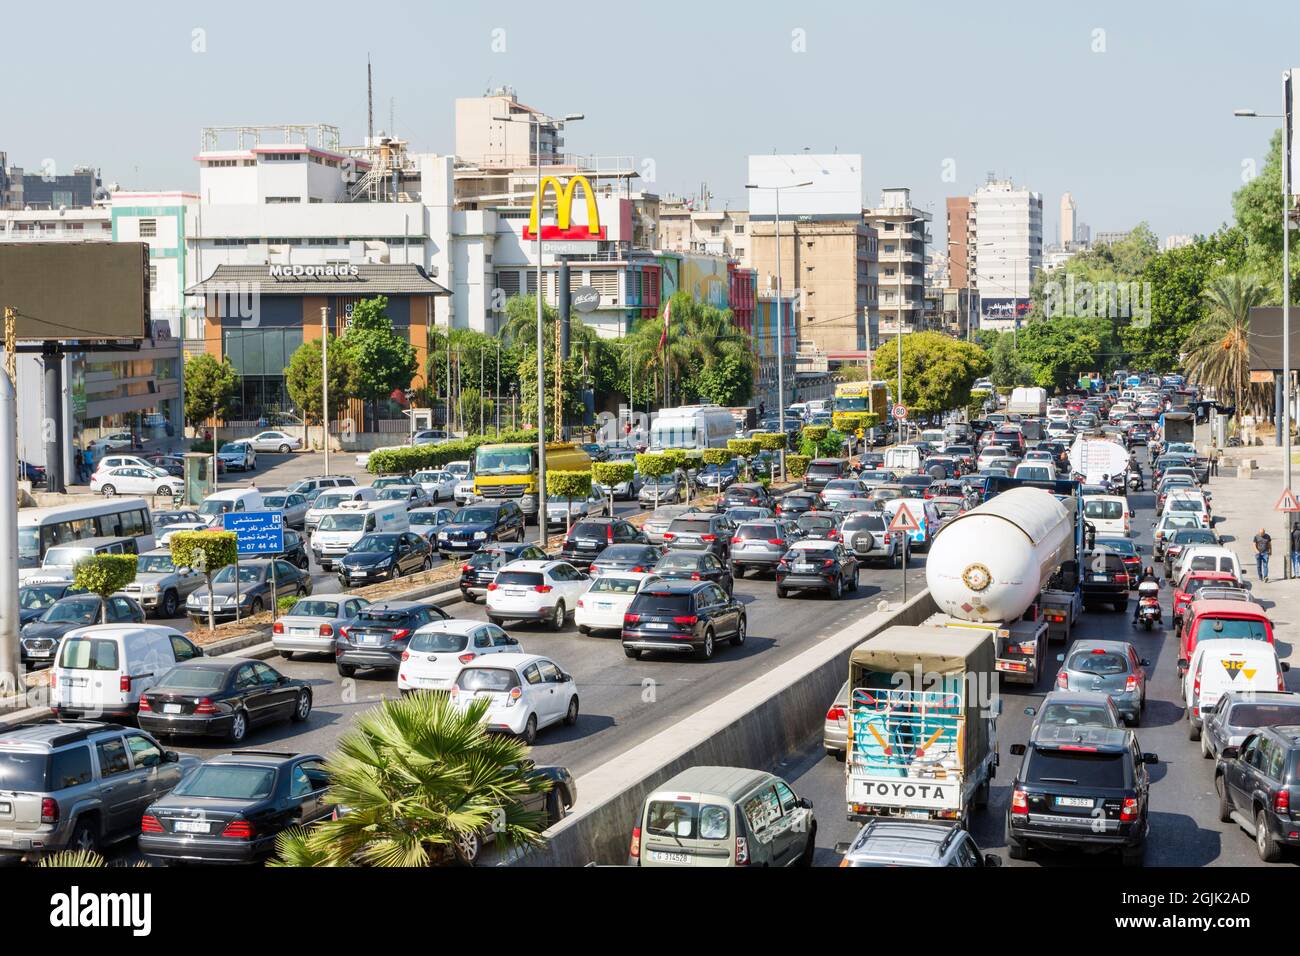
{"points": [[382, 616], [680, 559], [1213, 628], [611, 584], [1086, 769], [24, 772], [686, 820], [314, 608], [438, 641], [527, 579], [228, 783], [763, 532], [590, 529], [660, 602], [692, 525], [864, 522], [88, 654], [487, 678], [828, 469], [1264, 715], [185, 679], [1101, 663], [1106, 510]]}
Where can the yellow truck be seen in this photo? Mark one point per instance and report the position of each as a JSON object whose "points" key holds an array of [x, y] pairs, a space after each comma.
{"points": [[852, 398], [510, 471]]}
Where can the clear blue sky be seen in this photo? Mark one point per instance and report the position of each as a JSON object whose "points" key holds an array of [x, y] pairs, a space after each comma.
{"points": [[1141, 131]]}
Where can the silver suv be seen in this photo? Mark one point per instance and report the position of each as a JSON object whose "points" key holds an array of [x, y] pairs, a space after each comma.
{"points": [[867, 535], [760, 545], [914, 843], [78, 784], [160, 586]]}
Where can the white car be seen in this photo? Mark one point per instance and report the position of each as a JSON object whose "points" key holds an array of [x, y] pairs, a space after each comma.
{"points": [[536, 591], [610, 595], [439, 484], [525, 693], [114, 441], [275, 441], [134, 481], [127, 461], [464, 493], [990, 452], [1184, 503], [1208, 557], [426, 522], [438, 650], [458, 468]]}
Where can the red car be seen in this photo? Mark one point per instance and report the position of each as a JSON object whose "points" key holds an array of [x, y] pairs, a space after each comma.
{"points": [[1193, 581]]}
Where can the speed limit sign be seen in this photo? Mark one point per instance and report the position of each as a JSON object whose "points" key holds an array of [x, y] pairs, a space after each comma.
{"points": [[900, 412]]}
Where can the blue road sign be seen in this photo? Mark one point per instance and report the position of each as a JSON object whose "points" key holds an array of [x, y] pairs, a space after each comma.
{"points": [[257, 532]]}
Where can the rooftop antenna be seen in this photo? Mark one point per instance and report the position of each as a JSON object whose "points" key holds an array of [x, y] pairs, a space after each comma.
{"points": [[370, 104], [392, 124]]}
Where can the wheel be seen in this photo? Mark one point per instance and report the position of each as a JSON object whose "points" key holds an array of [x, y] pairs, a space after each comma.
{"points": [[285, 449], [302, 709], [1193, 732], [493, 619], [1269, 849], [427, 565], [468, 846], [168, 606], [238, 727], [554, 811], [257, 606], [108, 491], [705, 651], [853, 585], [163, 491], [739, 639], [738, 572], [1206, 752], [982, 795], [557, 618], [839, 755], [571, 715], [782, 592], [1146, 624], [469, 597], [530, 730], [632, 652], [1225, 802], [809, 848], [837, 591], [584, 629], [346, 670], [1017, 851]]}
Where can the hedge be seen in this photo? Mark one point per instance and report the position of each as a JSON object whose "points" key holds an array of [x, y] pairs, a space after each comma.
{"points": [[676, 456], [409, 459], [859, 421], [653, 465], [104, 574], [797, 465], [568, 484], [716, 456], [744, 447], [815, 433], [770, 441], [611, 473], [219, 548]]}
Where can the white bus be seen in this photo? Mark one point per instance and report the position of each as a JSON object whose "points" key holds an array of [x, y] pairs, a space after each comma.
{"points": [[692, 426], [41, 528]]}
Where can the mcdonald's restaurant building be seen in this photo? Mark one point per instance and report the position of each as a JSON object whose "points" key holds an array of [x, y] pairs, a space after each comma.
{"points": [[258, 315]]}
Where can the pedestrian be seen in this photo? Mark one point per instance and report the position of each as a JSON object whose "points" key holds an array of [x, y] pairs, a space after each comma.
{"points": [[1263, 548], [1295, 550], [1214, 462]]}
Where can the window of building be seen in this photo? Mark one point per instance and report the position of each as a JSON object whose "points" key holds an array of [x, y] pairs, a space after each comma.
{"points": [[74, 226], [148, 228], [282, 157], [739, 229], [508, 282], [318, 241], [260, 356], [283, 199], [153, 278]]}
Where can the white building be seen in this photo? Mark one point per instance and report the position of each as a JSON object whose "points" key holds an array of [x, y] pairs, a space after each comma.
{"points": [[1008, 249], [1065, 234], [902, 232], [1178, 241]]}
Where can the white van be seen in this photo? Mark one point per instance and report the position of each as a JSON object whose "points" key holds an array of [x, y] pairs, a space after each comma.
{"points": [[692, 426], [935, 436], [340, 529], [229, 499], [1109, 514], [903, 460], [331, 498], [1228, 664], [102, 670]]}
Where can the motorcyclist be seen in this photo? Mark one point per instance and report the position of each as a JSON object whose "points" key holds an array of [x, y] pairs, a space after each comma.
{"points": [[1148, 586]]}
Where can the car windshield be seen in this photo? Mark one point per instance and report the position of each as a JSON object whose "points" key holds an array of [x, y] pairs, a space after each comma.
{"points": [[165, 519], [72, 611], [609, 584], [504, 461], [274, 501], [395, 493], [445, 641], [423, 518], [237, 447], [154, 564], [1106, 510], [1213, 628], [228, 783], [1195, 536], [349, 521], [330, 499], [1079, 767], [475, 516], [1099, 662], [499, 679], [376, 544], [66, 556], [248, 574], [215, 506]]}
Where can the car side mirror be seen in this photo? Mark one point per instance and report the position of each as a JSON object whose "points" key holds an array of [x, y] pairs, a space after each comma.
{"points": [[1060, 658], [1017, 750], [1229, 753], [1182, 662], [992, 859], [804, 803], [842, 847], [1031, 711], [1285, 666], [1150, 758], [171, 756]]}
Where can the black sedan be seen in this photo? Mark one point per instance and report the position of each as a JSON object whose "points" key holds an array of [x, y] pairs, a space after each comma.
{"points": [[745, 495], [817, 566], [221, 696], [295, 550], [40, 638], [482, 567], [254, 585], [231, 809], [378, 635], [35, 599], [694, 566], [383, 556], [797, 502], [480, 524], [626, 557]]}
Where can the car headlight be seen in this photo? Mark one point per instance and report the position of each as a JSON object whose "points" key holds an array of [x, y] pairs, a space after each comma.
{"points": [[442, 535], [480, 535], [148, 589]]}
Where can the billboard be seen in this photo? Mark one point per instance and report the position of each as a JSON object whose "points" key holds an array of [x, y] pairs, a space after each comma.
{"points": [[835, 191], [76, 290], [1007, 310], [1265, 339], [706, 279]]}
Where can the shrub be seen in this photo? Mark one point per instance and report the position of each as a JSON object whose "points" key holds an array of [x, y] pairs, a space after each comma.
{"points": [[770, 441], [206, 552], [716, 456], [797, 465], [283, 604], [410, 459], [815, 433], [611, 473], [676, 457], [744, 447], [653, 464], [201, 445], [568, 484], [104, 574]]}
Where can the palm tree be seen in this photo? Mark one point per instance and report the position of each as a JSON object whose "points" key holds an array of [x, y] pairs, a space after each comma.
{"points": [[78, 859], [421, 780], [699, 336], [1218, 347]]}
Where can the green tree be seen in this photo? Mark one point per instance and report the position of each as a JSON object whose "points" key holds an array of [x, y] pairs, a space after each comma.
{"points": [[728, 381], [104, 574], [206, 552], [423, 781], [566, 485], [383, 361], [1218, 347], [701, 339], [304, 374], [1055, 351], [209, 384], [938, 371], [609, 474]]}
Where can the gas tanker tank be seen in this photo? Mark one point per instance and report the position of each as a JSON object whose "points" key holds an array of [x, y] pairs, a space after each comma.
{"points": [[990, 563]]}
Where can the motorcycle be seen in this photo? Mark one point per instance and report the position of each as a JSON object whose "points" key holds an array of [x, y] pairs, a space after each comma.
{"points": [[1135, 482], [1148, 612]]}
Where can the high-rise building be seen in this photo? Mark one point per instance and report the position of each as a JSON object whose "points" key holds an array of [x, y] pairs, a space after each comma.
{"points": [[1082, 233], [497, 130], [1008, 249], [902, 233], [1112, 236], [688, 225], [961, 235], [1068, 214], [1178, 241]]}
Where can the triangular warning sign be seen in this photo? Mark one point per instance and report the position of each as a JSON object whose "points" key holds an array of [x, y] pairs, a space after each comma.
{"points": [[903, 520], [1287, 502]]}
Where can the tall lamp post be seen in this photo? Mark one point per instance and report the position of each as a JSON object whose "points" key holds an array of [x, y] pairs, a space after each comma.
{"points": [[780, 313], [1285, 117], [535, 121], [899, 316]]}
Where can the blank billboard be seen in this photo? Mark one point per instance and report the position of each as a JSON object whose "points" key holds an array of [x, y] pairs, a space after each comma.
{"points": [[1265, 339], [76, 290], [834, 190]]}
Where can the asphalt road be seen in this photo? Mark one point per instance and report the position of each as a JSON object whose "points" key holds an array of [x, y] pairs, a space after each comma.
{"points": [[1185, 830]]}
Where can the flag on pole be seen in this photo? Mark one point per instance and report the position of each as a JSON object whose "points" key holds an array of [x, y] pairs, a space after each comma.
{"points": [[663, 337]]}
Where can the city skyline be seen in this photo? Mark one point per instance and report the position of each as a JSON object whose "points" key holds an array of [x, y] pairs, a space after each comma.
{"points": [[1180, 183]]}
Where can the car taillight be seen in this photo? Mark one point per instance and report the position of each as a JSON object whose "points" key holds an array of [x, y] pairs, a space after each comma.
{"points": [[691, 619], [542, 588], [124, 684], [277, 628], [406, 655], [1019, 803], [343, 631], [492, 586], [54, 678], [516, 694], [828, 563], [466, 658], [400, 634], [735, 539], [327, 630], [145, 705], [1130, 685], [835, 713], [238, 830], [708, 537], [1063, 681], [609, 534], [149, 824], [1282, 801], [635, 849], [1121, 579], [205, 706], [1128, 810], [638, 568], [695, 576], [742, 851], [1196, 693], [49, 810], [631, 618], [668, 536]]}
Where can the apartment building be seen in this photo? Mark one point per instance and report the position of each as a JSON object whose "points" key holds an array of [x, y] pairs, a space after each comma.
{"points": [[902, 231], [1007, 251], [684, 227]]}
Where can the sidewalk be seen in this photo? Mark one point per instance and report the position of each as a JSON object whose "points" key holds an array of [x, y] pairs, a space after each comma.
{"points": [[1241, 507]]}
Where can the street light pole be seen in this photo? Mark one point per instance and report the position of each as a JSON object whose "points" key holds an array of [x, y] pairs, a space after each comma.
{"points": [[325, 381]]}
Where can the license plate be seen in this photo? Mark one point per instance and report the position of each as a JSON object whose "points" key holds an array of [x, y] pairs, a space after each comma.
{"points": [[1074, 801], [6, 807], [657, 627], [659, 856], [1101, 577], [191, 826], [171, 708], [302, 632], [804, 567], [514, 592], [369, 638], [40, 652], [604, 605]]}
